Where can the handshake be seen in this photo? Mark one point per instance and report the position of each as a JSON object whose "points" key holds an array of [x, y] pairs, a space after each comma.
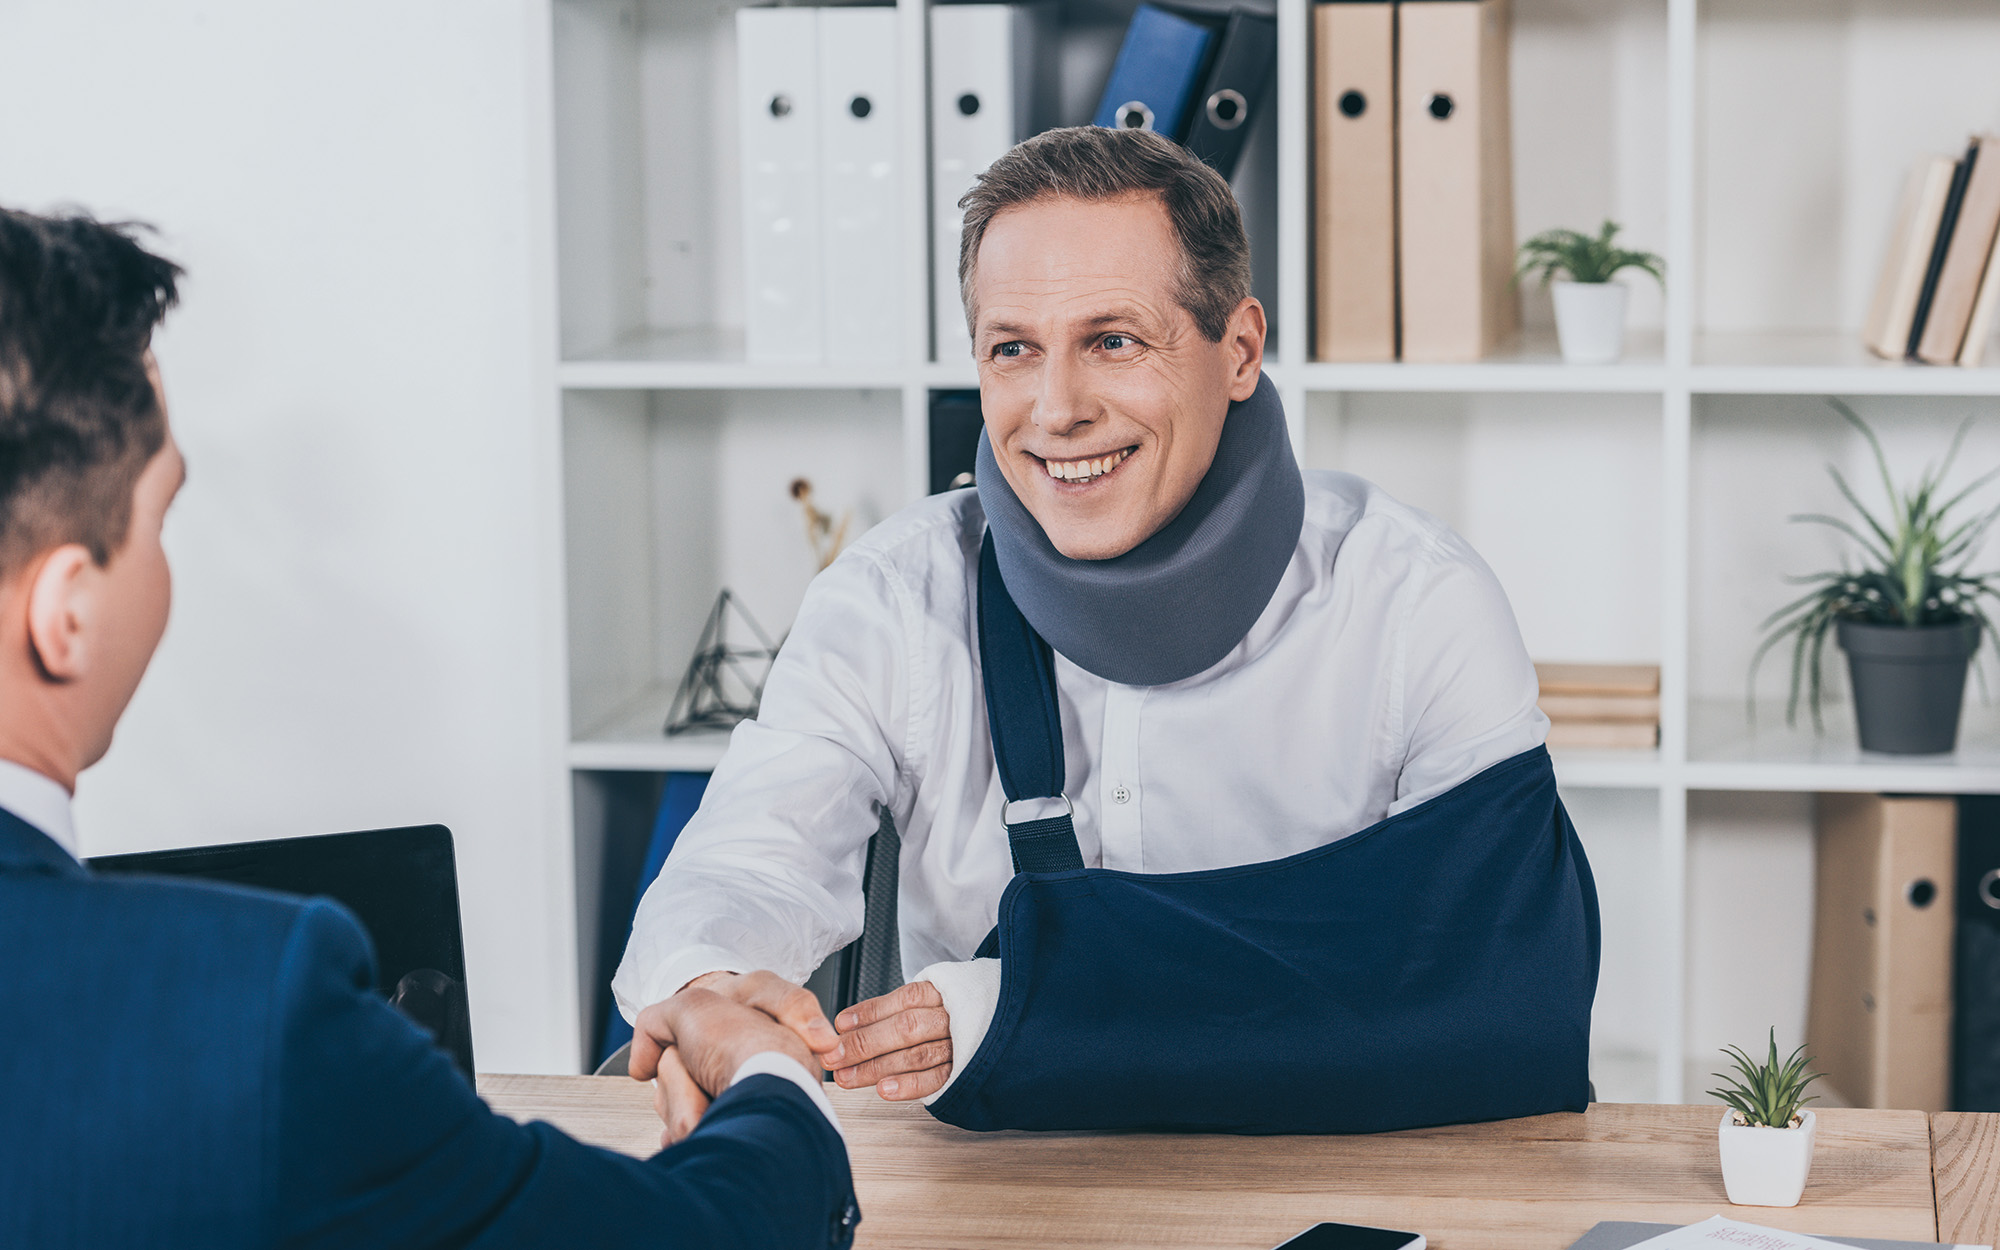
{"points": [[691, 1045]]}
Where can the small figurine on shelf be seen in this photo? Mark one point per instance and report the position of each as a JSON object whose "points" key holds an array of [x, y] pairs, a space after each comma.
{"points": [[724, 683], [823, 534]]}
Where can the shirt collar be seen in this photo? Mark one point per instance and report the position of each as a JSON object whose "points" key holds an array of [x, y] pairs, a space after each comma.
{"points": [[39, 801]]}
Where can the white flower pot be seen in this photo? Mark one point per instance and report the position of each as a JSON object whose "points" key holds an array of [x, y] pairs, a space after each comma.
{"points": [[1590, 321], [1765, 1167]]}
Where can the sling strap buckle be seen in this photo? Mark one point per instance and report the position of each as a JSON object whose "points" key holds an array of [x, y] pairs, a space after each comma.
{"points": [[1069, 810]]}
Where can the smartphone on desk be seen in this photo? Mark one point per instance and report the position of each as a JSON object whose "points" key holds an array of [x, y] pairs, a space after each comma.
{"points": [[1353, 1237]]}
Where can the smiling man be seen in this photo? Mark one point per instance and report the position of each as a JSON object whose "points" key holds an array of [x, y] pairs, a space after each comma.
{"points": [[1247, 662]]}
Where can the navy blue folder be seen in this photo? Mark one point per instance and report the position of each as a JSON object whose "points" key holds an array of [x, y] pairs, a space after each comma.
{"points": [[678, 801], [1158, 69], [1232, 96]]}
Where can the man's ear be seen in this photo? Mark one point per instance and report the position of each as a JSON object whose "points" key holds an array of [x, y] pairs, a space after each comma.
{"points": [[1244, 338], [61, 595]]}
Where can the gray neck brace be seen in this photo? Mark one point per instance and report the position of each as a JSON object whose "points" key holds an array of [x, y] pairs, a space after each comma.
{"points": [[1178, 602]]}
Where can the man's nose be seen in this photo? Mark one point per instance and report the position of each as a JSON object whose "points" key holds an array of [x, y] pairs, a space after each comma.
{"points": [[1064, 402]]}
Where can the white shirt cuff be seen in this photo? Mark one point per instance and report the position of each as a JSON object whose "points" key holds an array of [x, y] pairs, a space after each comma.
{"points": [[779, 1064], [636, 991], [971, 993]]}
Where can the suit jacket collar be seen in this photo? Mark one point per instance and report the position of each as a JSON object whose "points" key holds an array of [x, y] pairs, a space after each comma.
{"points": [[24, 848]]}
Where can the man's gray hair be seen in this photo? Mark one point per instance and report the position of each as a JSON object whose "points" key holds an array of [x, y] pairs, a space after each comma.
{"points": [[1094, 163]]}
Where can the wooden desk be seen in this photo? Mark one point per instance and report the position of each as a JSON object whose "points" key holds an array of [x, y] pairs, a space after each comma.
{"points": [[1520, 1185], [1965, 1149]]}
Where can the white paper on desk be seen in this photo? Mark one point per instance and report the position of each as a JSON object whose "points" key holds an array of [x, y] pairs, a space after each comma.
{"points": [[1720, 1233]]}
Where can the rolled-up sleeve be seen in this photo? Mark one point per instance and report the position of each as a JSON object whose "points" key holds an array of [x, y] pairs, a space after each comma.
{"points": [[768, 872]]}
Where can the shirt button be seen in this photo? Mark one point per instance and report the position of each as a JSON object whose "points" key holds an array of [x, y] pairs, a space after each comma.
{"points": [[1121, 795]]}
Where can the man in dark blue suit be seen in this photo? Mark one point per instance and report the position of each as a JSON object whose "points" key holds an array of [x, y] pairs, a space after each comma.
{"points": [[189, 1065]]}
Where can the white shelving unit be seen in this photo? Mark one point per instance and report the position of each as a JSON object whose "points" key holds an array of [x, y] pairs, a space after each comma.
{"points": [[1634, 511]]}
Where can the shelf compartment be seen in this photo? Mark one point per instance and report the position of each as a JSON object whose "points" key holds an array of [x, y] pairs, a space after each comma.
{"points": [[631, 738], [1607, 770], [1756, 461], [1726, 751], [1620, 832], [648, 196], [1532, 364], [1821, 363], [1513, 473], [1809, 118], [673, 495]]}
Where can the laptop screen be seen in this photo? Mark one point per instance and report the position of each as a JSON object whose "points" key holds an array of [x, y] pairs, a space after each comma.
{"points": [[402, 884]]}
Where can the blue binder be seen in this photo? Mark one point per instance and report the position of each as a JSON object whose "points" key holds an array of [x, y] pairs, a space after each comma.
{"points": [[1232, 95], [678, 802], [1156, 74]]}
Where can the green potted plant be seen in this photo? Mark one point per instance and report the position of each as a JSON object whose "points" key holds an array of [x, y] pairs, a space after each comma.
{"points": [[1909, 616], [1765, 1138], [1590, 307]]}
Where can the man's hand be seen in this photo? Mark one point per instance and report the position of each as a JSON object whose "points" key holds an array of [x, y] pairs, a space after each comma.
{"points": [[900, 1043], [691, 1044]]}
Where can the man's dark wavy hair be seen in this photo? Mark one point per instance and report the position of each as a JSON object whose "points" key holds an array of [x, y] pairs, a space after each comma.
{"points": [[79, 418], [1094, 163]]}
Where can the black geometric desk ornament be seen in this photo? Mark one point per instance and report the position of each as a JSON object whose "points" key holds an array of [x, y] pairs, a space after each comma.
{"points": [[724, 682]]}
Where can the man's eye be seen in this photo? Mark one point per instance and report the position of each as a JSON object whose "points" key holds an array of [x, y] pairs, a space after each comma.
{"points": [[1117, 342], [1010, 350]]}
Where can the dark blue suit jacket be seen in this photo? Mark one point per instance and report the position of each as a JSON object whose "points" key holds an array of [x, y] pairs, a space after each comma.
{"points": [[205, 1066]]}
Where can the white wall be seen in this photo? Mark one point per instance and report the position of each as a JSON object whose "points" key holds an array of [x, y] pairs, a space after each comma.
{"points": [[366, 611]]}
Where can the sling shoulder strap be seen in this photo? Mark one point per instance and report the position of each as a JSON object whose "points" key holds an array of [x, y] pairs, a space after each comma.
{"points": [[1019, 672]]}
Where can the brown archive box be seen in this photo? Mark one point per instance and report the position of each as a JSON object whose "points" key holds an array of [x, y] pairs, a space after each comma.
{"points": [[1354, 180], [1879, 1022], [1455, 179]]}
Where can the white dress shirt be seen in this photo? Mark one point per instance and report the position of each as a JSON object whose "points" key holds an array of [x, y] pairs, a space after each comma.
{"points": [[38, 800], [1386, 669]]}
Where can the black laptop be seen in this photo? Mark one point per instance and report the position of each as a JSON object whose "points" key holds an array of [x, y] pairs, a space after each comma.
{"points": [[401, 883]]}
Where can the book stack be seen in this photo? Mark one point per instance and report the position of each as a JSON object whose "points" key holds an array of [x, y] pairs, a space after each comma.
{"points": [[1601, 706], [1938, 292], [1413, 180]]}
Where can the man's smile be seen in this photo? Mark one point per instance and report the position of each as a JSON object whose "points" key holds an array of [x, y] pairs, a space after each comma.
{"points": [[1086, 469]]}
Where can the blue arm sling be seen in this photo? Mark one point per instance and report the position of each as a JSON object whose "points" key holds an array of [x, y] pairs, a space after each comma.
{"points": [[1435, 968]]}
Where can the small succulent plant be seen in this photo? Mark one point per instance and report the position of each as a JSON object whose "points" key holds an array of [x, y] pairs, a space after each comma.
{"points": [[1768, 1094], [1585, 258]]}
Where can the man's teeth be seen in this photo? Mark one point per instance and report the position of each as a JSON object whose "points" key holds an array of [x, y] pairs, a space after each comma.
{"points": [[1085, 470]]}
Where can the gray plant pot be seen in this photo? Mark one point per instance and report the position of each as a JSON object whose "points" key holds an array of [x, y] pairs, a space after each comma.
{"points": [[1909, 683]]}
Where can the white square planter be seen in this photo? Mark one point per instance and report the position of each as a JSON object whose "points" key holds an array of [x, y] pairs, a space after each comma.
{"points": [[1590, 321], [1765, 1167]]}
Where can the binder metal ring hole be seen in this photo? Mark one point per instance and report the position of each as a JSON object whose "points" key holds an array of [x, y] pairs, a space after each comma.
{"points": [[1989, 888], [968, 104], [861, 106], [1441, 106], [1922, 893], [1135, 115], [1227, 109], [781, 106], [1353, 104]]}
